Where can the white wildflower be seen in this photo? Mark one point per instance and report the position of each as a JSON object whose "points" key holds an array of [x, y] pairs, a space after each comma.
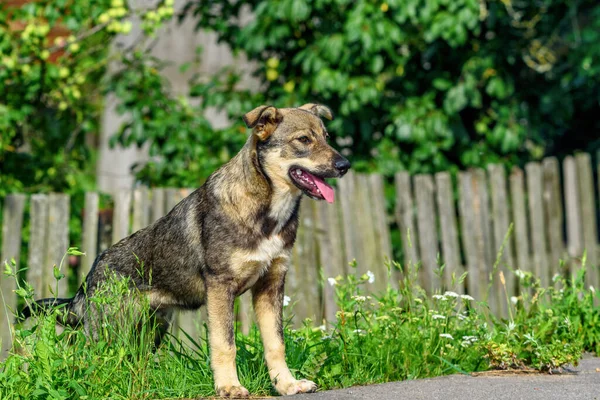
{"points": [[332, 281], [462, 317], [466, 297], [520, 274], [592, 289], [514, 299], [286, 301], [438, 316], [556, 277], [451, 294], [446, 335], [359, 299], [323, 328], [371, 276], [359, 331], [468, 341], [439, 297], [511, 326]]}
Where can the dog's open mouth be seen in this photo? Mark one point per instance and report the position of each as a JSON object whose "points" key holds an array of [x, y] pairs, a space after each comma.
{"points": [[312, 185]]}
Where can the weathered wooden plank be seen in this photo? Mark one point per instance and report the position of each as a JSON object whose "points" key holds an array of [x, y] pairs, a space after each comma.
{"points": [[57, 244], [369, 259], [537, 223], [310, 275], [348, 204], [158, 204], [303, 285], [483, 236], [141, 208], [501, 225], [121, 215], [90, 234], [426, 226], [37, 242], [572, 209], [470, 222], [292, 280], [588, 216], [485, 218], [449, 231], [331, 257], [519, 215], [405, 218], [383, 245], [553, 208], [12, 224], [172, 197]]}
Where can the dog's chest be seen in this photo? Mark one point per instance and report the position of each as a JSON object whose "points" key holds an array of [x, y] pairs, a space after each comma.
{"points": [[267, 250], [249, 265]]}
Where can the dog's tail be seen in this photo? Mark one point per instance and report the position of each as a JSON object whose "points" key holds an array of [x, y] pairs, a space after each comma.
{"points": [[45, 306]]}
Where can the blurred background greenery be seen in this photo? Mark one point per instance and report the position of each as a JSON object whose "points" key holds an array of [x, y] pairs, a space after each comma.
{"points": [[417, 85]]}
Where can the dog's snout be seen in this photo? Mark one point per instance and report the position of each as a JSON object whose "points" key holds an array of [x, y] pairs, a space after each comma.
{"points": [[342, 166]]}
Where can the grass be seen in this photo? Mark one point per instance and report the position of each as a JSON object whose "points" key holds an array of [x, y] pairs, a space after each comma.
{"points": [[400, 334]]}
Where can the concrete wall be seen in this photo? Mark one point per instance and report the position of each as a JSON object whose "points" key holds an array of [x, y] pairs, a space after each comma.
{"points": [[176, 43]]}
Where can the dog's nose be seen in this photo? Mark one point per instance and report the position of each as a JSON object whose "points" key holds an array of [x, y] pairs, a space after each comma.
{"points": [[342, 166]]}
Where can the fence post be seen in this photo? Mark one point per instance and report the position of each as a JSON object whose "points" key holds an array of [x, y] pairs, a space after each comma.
{"points": [[449, 231], [57, 244], [383, 244], [405, 218], [141, 208], [500, 213], [426, 225], [90, 234], [536, 221], [158, 204], [121, 215], [12, 224], [554, 214], [517, 194], [37, 242], [588, 216]]}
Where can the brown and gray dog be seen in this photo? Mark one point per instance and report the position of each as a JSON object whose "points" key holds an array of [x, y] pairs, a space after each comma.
{"points": [[233, 234]]}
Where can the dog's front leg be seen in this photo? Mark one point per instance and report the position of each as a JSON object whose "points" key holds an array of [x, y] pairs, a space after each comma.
{"points": [[219, 304], [267, 296]]}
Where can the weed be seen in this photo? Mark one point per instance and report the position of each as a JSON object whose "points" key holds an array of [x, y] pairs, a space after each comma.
{"points": [[403, 333]]}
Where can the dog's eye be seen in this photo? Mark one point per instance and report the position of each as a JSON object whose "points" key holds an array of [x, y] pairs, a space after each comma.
{"points": [[304, 139]]}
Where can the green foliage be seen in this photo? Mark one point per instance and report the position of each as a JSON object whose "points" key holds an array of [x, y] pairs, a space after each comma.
{"points": [[53, 59], [419, 85], [399, 334], [416, 85]]}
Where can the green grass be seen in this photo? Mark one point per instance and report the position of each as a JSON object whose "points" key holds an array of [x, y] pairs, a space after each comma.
{"points": [[401, 334]]}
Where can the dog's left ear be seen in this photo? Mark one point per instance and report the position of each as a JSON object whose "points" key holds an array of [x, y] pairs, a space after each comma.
{"points": [[263, 119], [318, 109]]}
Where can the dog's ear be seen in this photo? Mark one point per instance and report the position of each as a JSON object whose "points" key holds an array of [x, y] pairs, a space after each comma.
{"points": [[263, 119], [318, 109]]}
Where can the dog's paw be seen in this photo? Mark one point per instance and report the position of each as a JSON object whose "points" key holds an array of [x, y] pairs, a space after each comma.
{"points": [[234, 392], [296, 386]]}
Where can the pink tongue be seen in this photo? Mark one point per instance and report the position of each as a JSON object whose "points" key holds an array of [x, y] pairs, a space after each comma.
{"points": [[326, 190]]}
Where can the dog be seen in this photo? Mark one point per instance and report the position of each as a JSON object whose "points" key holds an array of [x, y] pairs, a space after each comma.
{"points": [[235, 233]]}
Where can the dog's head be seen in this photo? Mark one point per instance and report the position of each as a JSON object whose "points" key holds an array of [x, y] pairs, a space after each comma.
{"points": [[292, 148]]}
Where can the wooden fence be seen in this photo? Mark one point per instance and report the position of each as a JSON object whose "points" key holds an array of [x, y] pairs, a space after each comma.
{"points": [[461, 225]]}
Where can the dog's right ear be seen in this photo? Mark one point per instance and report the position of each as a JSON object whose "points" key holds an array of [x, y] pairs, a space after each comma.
{"points": [[263, 119]]}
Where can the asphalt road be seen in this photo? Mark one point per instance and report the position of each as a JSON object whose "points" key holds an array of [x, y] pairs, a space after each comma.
{"points": [[581, 382]]}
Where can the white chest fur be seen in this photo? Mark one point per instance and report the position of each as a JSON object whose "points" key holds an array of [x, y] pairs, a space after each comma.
{"points": [[250, 265], [267, 250]]}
